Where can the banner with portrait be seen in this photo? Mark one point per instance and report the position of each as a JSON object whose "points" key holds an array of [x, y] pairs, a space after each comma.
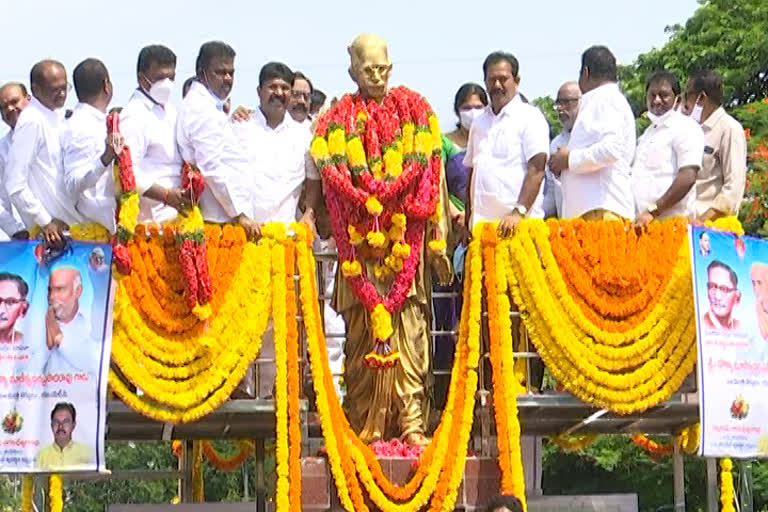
{"points": [[730, 275], [55, 339]]}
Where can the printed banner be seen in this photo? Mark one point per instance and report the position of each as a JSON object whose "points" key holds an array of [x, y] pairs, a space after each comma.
{"points": [[730, 275], [55, 339]]}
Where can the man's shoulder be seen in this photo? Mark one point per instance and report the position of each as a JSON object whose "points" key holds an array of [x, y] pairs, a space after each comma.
{"points": [[730, 123]]}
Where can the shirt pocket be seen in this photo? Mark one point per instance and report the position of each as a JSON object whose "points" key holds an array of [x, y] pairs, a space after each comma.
{"points": [[708, 162], [503, 145]]}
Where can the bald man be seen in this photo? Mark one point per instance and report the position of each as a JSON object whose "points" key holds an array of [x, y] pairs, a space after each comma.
{"points": [[759, 274], [34, 176], [72, 348], [13, 99], [567, 107]]}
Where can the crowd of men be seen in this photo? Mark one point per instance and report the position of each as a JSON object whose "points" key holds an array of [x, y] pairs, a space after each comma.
{"points": [[54, 169]]}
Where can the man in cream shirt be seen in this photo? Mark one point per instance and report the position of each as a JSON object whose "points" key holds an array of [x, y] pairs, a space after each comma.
{"points": [[595, 167], [86, 152], [13, 99], [669, 155], [34, 175], [148, 123], [507, 151]]}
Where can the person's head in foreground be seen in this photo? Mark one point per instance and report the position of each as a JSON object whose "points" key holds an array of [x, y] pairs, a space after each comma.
{"points": [[504, 503]]}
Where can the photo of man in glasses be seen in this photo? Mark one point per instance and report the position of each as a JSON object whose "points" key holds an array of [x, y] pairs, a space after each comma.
{"points": [[723, 294], [13, 306]]}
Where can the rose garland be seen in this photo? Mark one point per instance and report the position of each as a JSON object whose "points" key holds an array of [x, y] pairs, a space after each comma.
{"points": [[127, 200], [381, 166], [55, 493], [27, 493], [727, 494]]}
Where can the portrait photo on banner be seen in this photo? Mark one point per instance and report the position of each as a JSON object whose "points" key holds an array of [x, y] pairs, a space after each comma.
{"points": [[730, 274], [55, 340]]}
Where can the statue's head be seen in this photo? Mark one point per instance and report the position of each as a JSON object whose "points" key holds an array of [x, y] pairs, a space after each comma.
{"points": [[369, 65]]}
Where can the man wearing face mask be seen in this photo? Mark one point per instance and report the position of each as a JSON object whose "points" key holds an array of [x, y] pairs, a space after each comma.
{"points": [[34, 176], [507, 151], [720, 183], [597, 184], [13, 99], [207, 141], [567, 107], [668, 156], [148, 123], [301, 98], [86, 150]]}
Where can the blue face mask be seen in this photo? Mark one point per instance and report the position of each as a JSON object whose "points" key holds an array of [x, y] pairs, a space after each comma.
{"points": [[458, 260]]}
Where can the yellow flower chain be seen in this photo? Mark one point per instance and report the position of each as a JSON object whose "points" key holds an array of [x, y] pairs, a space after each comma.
{"points": [[55, 493], [281, 379], [27, 492], [573, 443], [727, 496]]}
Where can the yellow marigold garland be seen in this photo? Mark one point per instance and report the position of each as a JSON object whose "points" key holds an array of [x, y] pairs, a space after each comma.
{"points": [[245, 450], [727, 494], [573, 443], [27, 492], [292, 348], [55, 493]]}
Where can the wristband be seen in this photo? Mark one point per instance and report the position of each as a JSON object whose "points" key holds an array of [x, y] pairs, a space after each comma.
{"points": [[165, 196]]}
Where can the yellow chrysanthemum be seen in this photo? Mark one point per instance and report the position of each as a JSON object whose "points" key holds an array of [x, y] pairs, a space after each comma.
{"points": [[192, 221], [355, 238], [396, 234], [337, 142], [377, 168], [351, 268], [373, 206], [394, 263], [319, 149], [434, 128], [399, 220], [437, 246], [355, 152], [362, 116], [401, 250], [423, 143], [393, 162], [381, 321], [408, 131], [376, 239], [381, 271], [273, 230]]}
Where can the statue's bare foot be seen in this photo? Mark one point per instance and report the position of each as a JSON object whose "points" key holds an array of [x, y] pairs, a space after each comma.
{"points": [[417, 439]]}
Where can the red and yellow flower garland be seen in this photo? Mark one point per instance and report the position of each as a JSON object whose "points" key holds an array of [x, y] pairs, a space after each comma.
{"points": [[127, 200], [381, 165]]}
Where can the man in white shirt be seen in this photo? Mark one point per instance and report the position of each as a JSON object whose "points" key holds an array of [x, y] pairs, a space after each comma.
{"points": [[277, 148], [13, 99], [301, 98], [668, 157], [507, 151], [567, 107], [595, 167], [86, 151], [148, 123], [34, 176], [206, 140]]}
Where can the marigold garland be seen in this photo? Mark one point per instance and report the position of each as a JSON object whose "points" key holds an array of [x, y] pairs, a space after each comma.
{"points": [[652, 447], [727, 493], [27, 493], [573, 443], [292, 348], [245, 450], [55, 493], [127, 200]]}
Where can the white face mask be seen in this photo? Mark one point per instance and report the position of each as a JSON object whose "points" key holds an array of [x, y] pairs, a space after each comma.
{"points": [[466, 117], [660, 119], [696, 112], [161, 91]]}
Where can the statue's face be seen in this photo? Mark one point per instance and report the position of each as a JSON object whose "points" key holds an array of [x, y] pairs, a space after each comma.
{"points": [[371, 69]]}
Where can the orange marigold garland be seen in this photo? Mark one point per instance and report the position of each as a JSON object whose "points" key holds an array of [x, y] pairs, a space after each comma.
{"points": [[292, 347]]}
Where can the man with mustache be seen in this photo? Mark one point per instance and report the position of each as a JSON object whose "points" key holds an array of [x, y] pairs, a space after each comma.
{"points": [[507, 151], [71, 348], [301, 98], [595, 167], [64, 453], [13, 306], [277, 149], [207, 141], [567, 107], [723, 294], [13, 99]]}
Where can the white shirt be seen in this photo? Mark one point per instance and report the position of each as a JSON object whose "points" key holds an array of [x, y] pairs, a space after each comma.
{"points": [[206, 139], [662, 150], [78, 352], [10, 222], [553, 189], [34, 174], [601, 148], [83, 140], [498, 151], [277, 162], [150, 133]]}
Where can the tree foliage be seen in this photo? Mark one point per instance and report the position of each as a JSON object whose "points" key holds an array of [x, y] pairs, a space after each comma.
{"points": [[730, 36]]}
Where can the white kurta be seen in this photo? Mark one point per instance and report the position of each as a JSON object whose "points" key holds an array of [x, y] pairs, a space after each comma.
{"points": [[553, 189], [10, 222], [499, 149]]}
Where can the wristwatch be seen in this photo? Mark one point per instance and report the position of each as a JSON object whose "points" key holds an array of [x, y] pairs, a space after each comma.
{"points": [[521, 209], [653, 209]]}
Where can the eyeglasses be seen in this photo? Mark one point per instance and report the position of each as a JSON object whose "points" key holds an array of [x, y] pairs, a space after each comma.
{"points": [[720, 288], [10, 301], [57, 90], [65, 423], [561, 102]]}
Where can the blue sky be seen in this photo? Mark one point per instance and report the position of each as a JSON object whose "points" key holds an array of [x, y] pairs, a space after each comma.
{"points": [[435, 47]]}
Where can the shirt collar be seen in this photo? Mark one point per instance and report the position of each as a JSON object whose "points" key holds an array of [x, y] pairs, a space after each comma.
{"points": [[53, 115], [201, 92], [145, 100], [508, 108], [261, 119], [66, 447], [713, 118], [91, 110]]}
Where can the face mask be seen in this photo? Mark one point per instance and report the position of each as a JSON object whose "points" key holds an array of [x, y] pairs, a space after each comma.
{"points": [[660, 119], [161, 90], [466, 117], [696, 112]]}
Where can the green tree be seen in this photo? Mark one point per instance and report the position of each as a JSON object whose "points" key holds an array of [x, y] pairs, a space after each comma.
{"points": [[547, 106], [730, 36]]}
